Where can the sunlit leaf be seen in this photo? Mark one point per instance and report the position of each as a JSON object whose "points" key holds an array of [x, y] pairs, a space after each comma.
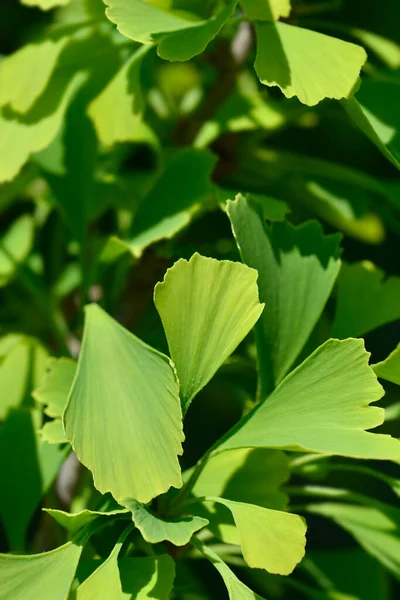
{"points": [[374, 110], [236, 589], [15, 246], [126, 430], [366, 299], [180, 33], [207, 307], [389, 368], [154, 529], [47, 576], [377, 529], [297, 268], [117, 111], [55, 386], [322, 406], [74, 522], [149, 577], [46, 4], [248, 475], [266, 10], [307, 64]]}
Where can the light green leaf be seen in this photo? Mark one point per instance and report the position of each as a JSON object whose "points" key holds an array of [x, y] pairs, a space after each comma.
{"points": [[366, 299], [53, 432], [19, 139], [154, 529], [105, 581], [266, 10], [307, 64], [15, 246], [236, 589], [74, 522], [207, 307], [249, 475], [47, 576], [28, 466], [387, 50], [126, 430], [270, 539], [322, 406], [25, 74], [46, 4], [147, 578], [374, 110], [117, 111], [55, 386], [297, 268], [377, 529], [181, 33], [389, 368]]}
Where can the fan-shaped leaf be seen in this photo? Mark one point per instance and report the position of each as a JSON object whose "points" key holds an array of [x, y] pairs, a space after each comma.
{"points": [[266, 10], [74, 522], [123, 416], [389, 368], [207, 307], [144, 578], [54, 389], [46, 4]]}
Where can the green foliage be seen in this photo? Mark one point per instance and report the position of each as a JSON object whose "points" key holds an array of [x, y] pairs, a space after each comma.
{"points": [[199, 290]]}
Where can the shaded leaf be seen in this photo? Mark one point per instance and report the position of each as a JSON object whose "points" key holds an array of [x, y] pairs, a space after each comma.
{"points": [[297, 268], [321, 406], [15, 246], [266, 10], [389, 368], [154, 529], [144, 578], [207, 307], [307, 64], [74, 522], [126, 430], [366, 299]]}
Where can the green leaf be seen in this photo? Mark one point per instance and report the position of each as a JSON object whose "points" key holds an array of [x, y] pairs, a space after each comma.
{"points": [[236, 589], [154, 529], [270, 539], [285, 258], [366, 299], [46, 4], [53, 432], [307, 64], [145, 578], [105, 581], [74, 522], [389, 368], [207, 307], [266, 10], [28, 466], [126, 430], [321, 406], [249, 475], [25, 74], [377, 529], [47, 576], [374, 110], [181, 33], [55, 386], [15, 245], [117, 111]]}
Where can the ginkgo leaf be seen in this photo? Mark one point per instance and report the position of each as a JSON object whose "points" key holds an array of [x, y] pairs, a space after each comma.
{"points": [[15, 246], [321, 406], [46, 4], [252, 475], [53, 432], [105, 581], [376, 528], [297, 268], [270, 539], [117, 111], [19, 139], [154, 529], [181, 33], [145, 578], [207, 307], [389, 368], [266, 10], [74, 522], [126, 429], [374, 110], [366, 299], [47, 576], [54, 389], [236, 589], [307, 64], [25, 74]]}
